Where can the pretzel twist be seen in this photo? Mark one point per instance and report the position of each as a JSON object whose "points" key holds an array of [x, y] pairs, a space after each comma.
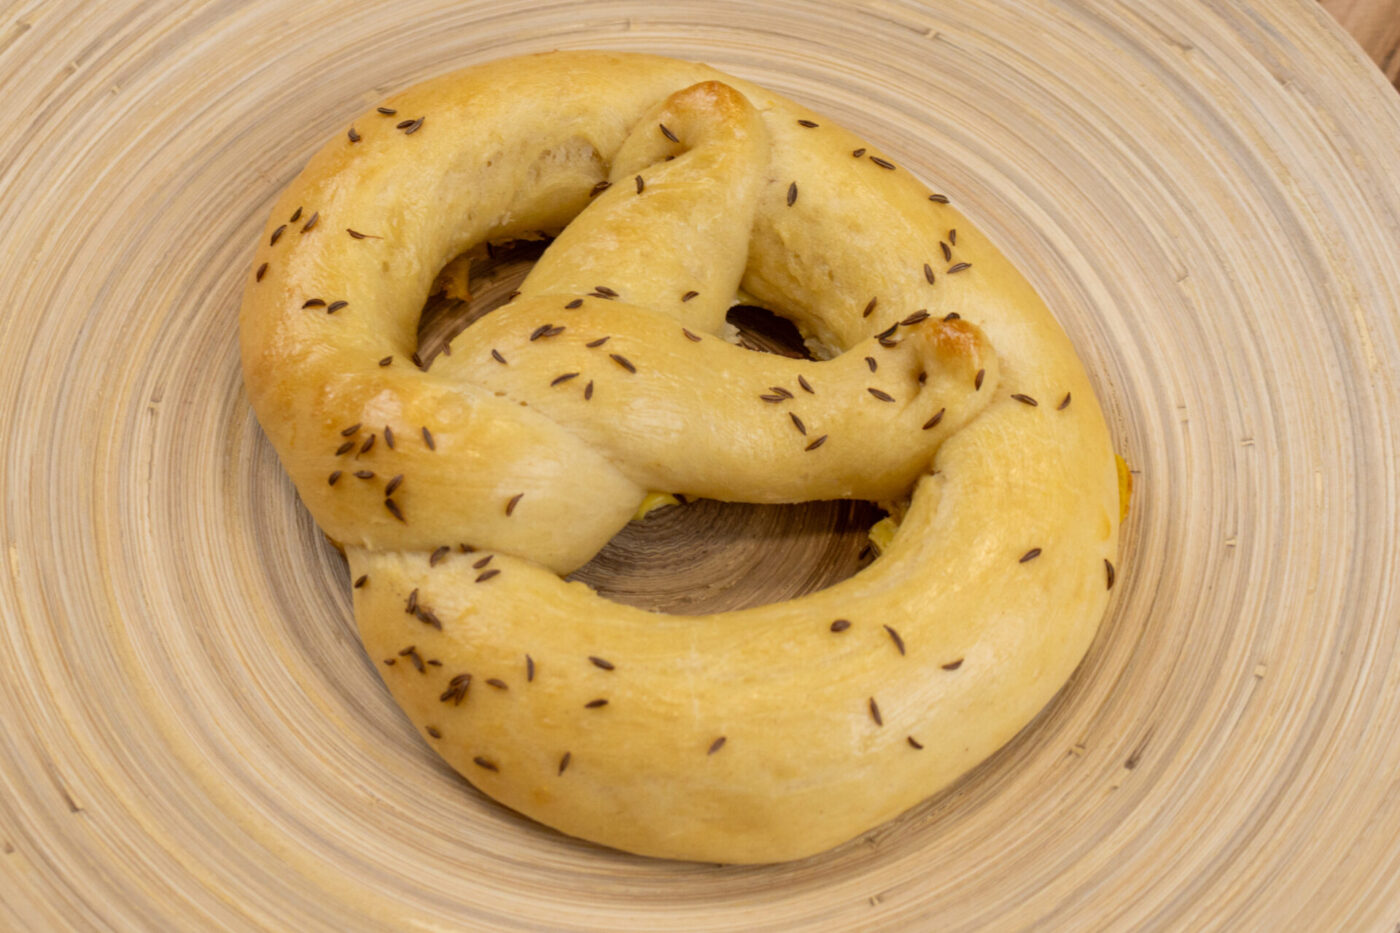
{"points": [[462, 491]]}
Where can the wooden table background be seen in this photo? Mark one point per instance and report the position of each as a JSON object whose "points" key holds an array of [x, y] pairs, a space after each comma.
{"points": [[1376, 25]]}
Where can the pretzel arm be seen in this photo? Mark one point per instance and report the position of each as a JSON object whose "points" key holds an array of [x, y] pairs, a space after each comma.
{"points": [[671, 233], [697, 415]]}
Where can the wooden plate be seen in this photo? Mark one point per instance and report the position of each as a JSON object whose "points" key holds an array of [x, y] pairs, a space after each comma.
{"points": [[191, 738]]}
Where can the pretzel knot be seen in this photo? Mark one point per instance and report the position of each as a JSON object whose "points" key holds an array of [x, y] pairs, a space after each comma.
{"points": [[461, 491]]}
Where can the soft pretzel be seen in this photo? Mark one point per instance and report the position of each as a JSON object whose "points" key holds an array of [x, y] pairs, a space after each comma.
{"points": [[461, 491]]}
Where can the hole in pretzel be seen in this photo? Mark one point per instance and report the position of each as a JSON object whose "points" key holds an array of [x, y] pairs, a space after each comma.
{"points": [[705, 556]]}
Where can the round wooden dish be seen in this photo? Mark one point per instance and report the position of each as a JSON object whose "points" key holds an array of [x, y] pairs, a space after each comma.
{"points": [[1204, 193]]}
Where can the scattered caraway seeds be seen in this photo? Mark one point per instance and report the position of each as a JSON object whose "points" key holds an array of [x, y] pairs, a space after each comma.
{"points": [[938, 198], [387, 111], [276, 235], [947, 253], [344, 448], [806, 386], [564, 761], [840, 625], [428, 439], [334, 476], [623, 361], [595, 704], [870, 307], [977, 380], [1032, 554], [689, 336], [1108, 568], [882, 396], [389, 436], [857, 153], [928, 273], [882, 163], [529, 669], [393, 485], [870, 362], [514, 501], [913, 742], [959, 266], [565, 377], [394, 509], [486, 763], [792, 194], [601, 663], [716, 745], [335, 306], [599, 188], [262, 271], [354, 136], [953, 665], [386, 360], [689, 295], [313, 303], [486, 575], [496, 355], [1064, 403], [593, 344], [914, 318], [361, 580], [346, 432], [933, 422], [797, 423], [588, 391], [362, 236], [667, 133], [438, 555], [306, 227], [1025, 399], [456, 690], [808, 123], [816, 443], [875, 712], [640, 184], [894, 636], [576, 303]]}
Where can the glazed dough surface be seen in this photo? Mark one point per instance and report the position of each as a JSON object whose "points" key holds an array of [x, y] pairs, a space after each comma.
{"points": [[463, 492]]}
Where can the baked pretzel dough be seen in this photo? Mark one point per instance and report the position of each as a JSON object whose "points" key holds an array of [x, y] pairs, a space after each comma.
{"points": [[462, 492]]}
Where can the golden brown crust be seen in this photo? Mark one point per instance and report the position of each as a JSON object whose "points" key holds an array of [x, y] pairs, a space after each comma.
{"points": [[977, 612]]}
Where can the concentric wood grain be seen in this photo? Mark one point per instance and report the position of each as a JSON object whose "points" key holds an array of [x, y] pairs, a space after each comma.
{"points": [[1205, 193]]}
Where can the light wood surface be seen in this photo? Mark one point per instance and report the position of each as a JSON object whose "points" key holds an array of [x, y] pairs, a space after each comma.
{"points": [[191, 737]]}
